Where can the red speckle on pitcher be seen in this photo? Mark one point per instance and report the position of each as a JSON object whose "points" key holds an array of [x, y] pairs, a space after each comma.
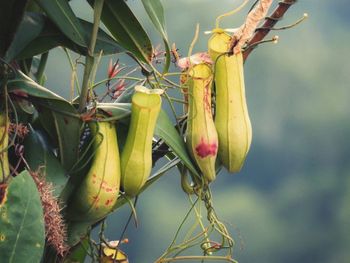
{"points": [[206, 149]]}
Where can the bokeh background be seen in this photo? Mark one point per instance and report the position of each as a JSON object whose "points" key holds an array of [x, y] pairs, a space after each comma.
{"points": [[290, 203]]}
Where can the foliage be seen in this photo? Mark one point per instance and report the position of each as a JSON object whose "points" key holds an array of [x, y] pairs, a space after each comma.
{"points": [[53, 145], [22, 222]]}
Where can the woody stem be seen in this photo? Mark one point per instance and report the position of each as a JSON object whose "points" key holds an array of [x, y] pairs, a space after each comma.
{"points": [[269, 23]]}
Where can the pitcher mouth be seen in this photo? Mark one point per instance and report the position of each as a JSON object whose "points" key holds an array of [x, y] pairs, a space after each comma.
{"points": [[139, 88]]}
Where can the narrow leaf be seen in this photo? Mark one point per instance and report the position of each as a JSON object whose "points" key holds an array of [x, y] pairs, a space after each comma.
{"points": [[11, 13], [60, 119], [51, 37], [29, 28], [126, 29], [29, 87], [155, 11], [22, 233], [104, 41], [63, 16], [166, 130], [115, 110]]}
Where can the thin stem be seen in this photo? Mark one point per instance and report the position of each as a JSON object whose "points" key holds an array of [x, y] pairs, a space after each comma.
{"points": [[98, 5], [195, 38], [74, 70], [199, 218], [169, 249], [173, 74], [196, 258], [273, 40], [118, 77], [95, 67], [85, 87], [300, 20], [217, 21], [101, 236], [177, 100], [41, 68], [126, 227]]}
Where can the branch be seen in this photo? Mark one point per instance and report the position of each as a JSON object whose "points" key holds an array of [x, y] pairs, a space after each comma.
{"points": [[269, 23]]}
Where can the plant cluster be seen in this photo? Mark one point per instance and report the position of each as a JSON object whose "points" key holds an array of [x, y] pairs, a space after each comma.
{"points": [[67, 164]]}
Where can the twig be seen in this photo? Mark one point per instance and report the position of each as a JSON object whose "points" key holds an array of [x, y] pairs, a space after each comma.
{"points": [[269, 23], [245, 32]]}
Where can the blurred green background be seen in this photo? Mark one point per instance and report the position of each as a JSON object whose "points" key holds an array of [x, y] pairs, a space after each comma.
{"points": [[290, 203]]}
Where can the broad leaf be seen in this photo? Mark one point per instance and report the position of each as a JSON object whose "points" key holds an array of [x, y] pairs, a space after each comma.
{"points": [[29, 28], [11, 13], [63, 16], [60, 119], [126, 29], [166, 130], [22, 231], [155, 11], [39, 156]]}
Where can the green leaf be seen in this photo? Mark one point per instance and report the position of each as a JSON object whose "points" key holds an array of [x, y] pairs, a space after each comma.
{"points": [[39, 156], [22, 231], [63, 16], [29, 28], [103, 42], [155, 11], [126, 29], [11, 13], [115, 110], [78, 253], [43, 43], [51, 37], [27, 86], [60, 119], [166, 130], [76, 231]]}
